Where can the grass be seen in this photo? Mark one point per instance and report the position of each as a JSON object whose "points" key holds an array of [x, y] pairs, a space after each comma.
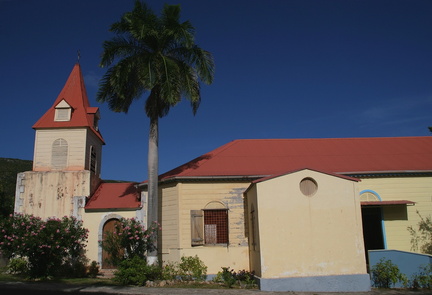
{"points": [[5, 277]]}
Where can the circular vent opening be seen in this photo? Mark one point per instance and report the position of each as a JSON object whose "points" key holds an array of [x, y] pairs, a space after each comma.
{"points": [[308, 186]]}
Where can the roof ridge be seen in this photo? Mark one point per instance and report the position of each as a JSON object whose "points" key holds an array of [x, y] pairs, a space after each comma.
{"points": [[331, 138]]}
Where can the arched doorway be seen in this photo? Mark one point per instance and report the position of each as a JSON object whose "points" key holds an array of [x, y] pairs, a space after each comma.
{"points": [[109, 226]]}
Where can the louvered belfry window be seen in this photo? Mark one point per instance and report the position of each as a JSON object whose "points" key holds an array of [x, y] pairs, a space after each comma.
{"points": [[59, 154], [92, 159], [62, 114]]}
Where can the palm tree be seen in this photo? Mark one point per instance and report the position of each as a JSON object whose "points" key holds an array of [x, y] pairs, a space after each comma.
{"points": [[157, 55]]}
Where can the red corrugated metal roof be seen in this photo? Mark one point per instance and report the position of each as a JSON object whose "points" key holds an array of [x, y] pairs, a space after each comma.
{"points": [[75, 94], [290, 172], [264, 157], [114, 196]]}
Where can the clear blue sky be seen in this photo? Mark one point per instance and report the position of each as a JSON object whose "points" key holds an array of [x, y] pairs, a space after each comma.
{"points": [[284, 69]]}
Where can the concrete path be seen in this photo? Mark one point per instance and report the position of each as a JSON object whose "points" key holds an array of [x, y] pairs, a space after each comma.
{"points": [[36, 288]]}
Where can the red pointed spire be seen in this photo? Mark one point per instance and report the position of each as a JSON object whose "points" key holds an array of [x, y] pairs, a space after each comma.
{"points": [[73, 94]]}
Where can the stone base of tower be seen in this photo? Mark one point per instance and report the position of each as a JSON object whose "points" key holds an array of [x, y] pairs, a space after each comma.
{"points": [[52, 193]]}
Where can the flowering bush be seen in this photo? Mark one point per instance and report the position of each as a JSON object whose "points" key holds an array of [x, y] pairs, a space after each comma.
{"points": [[47, 245], [128, 239], [229, 277]]}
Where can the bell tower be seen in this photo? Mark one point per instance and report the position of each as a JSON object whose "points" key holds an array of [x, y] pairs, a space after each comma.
{"points": [[67, 155]]}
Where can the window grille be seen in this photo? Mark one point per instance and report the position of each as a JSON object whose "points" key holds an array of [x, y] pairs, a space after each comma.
{"points": [[216, 226]]}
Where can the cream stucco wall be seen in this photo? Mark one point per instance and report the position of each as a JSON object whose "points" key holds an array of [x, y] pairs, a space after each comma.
{"points": [[177, 202], [304, 236], [398, 218], [50, 193], [94, 222]]}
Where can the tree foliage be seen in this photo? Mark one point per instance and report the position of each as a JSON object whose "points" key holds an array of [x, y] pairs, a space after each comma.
{"points": [[155, 55], [9, 168], [421, 235]]}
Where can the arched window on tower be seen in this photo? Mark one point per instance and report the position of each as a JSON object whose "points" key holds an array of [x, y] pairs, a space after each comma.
{"points": [[59, 154]]}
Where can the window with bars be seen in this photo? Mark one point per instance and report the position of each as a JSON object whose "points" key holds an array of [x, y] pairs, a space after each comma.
{"points": [[209, 227]]}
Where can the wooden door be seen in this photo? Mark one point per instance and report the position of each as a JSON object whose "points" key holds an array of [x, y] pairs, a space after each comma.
{"points": [[109, 226]]}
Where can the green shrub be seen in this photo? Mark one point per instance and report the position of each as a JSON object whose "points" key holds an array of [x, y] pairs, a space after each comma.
{"points": [[246, 278], [229, 278], [136, 271], [191, 268], [128, 240], [422, 279], [47, 245], [385, 274], [17, 266], [170, 271], [93, 269]]}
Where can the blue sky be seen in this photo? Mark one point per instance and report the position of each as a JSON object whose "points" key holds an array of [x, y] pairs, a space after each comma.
{"points": [[284, 69]]}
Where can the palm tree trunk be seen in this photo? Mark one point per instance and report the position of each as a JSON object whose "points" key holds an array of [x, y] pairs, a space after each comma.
{"points": [[153, 163]]}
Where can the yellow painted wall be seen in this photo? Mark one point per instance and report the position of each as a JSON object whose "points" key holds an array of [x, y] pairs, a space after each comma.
{"points": [[184, 197], [398, 218], [170, 220], [309, 236]]}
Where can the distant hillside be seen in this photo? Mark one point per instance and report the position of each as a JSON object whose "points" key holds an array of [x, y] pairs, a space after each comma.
{"points": [[9, 168]]}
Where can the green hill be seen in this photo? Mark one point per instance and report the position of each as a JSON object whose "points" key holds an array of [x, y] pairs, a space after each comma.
{"points": [[9, 168]]}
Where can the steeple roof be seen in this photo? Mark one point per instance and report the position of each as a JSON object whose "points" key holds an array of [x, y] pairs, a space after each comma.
{"points": [[73, 95]]}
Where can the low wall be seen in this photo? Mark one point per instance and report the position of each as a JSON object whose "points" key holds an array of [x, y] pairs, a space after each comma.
{"points": [[407, 262], [341, 283]]}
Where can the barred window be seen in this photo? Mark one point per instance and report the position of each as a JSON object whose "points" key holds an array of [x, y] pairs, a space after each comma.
{"points": [[216, 226], [209, 227]]}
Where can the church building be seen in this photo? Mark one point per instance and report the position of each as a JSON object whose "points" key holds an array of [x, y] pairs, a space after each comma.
{"points": [[301, 213]]}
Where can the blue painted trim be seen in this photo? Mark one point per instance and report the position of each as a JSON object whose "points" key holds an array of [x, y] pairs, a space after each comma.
{"points": [[382, 219], [383, 229], [335, 283], [372, 192]]}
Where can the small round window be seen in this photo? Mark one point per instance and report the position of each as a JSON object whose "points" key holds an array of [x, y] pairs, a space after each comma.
{"points": [[308, 186]]}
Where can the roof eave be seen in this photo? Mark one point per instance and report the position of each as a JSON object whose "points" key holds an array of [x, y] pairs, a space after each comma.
{"points": [[112, 209], [242, 178]]}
